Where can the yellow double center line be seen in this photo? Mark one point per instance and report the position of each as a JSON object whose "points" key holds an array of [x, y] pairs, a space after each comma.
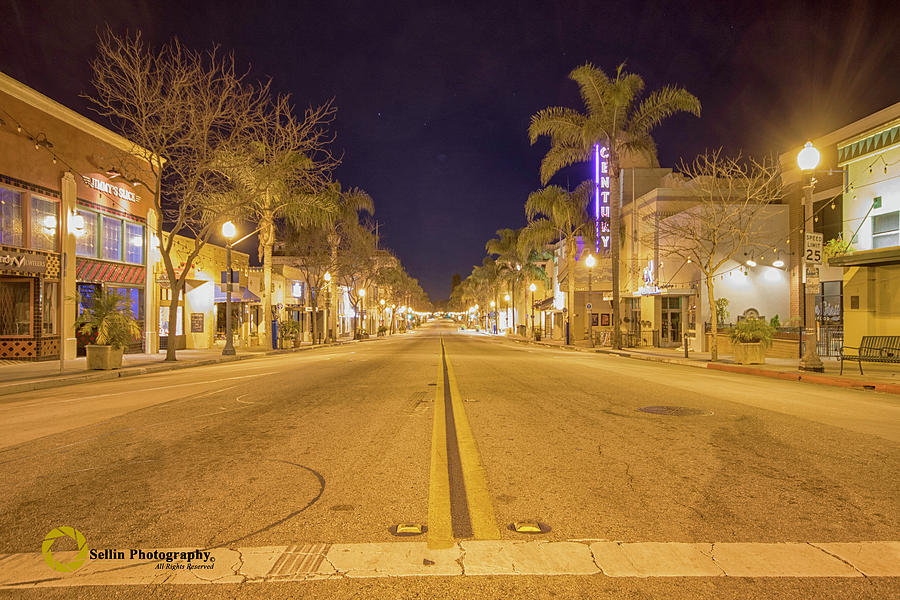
{"points": [[459, 505]]}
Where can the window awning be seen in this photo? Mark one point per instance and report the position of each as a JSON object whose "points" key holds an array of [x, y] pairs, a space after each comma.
{"points": [[868, 258], [545, 304], [244, 295]]}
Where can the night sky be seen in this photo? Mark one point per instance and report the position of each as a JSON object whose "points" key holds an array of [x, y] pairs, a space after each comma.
{"points": [[434, 98]]}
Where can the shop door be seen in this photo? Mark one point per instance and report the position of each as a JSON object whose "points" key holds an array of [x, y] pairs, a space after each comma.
{"points": [[670, 334]]}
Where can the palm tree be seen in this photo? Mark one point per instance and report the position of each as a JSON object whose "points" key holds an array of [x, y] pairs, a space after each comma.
{"points": [[557, 214], [345, 219], [277, 173], [612, 118]]}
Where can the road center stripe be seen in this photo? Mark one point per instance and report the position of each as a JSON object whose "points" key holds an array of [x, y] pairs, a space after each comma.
{"points": [[481, 510]]}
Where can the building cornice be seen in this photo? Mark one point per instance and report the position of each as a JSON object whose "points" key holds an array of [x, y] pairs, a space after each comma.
{"points": [[33, 98]]}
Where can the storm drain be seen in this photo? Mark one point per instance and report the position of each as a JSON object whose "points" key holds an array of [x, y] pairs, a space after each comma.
{"points": [[674, 411]]}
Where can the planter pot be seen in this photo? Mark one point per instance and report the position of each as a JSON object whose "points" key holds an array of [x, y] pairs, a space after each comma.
{"points": [[103, 358], [752, 353]]}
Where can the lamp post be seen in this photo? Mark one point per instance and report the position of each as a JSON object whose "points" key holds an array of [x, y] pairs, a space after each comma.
{"points": [[508, 326], [382, 312], [362, 306], [532, 287], [590, 261], [808, 160], [494, 310], [229, 231], [325, 316]]}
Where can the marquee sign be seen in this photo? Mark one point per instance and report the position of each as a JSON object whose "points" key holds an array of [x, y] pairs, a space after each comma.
{"points": [[601, 197]]}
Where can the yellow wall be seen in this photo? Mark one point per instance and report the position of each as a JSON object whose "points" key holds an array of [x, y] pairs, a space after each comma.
{"points": [[878, 293]]}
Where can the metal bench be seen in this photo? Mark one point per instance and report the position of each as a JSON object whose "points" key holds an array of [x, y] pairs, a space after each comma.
{"points": [[873, 348]]}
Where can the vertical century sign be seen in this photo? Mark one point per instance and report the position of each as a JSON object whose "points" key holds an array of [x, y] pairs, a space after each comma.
{"points": [[601, 197]]}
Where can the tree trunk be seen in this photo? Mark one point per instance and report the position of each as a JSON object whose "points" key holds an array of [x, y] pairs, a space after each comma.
{"points": [[314, 316], [570, 287], [266, 240], [614, 212], [713, 320], [333, 239], [173, 322]]}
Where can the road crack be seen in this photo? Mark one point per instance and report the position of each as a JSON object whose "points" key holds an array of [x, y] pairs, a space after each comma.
{"points": [[833, 555]]}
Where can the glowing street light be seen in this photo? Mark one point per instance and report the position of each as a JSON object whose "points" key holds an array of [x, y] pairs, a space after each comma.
{"points": [[533, 288], [808, 160], [229, 231]]}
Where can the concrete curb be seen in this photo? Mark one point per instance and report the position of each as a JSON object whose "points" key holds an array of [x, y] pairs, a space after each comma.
{"points": [[468, 558], [31, 385]]}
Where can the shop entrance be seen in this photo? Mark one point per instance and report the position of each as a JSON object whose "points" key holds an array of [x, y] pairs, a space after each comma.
{"points": [[670, 334]]}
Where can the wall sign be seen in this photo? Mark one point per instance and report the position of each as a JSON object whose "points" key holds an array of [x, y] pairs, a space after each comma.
{"points": [[601, 197], [107, 188], [649, 286], [23, 262], [197, 322]]}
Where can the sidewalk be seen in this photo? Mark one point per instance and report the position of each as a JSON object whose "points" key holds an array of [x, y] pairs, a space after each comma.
{"points": [[19, 377], [877, 377]]}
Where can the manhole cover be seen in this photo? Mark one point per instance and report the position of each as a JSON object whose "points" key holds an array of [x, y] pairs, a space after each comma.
{"points": [[674, 411]]}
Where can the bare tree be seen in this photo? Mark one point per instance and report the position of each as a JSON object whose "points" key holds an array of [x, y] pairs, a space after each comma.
{"points": [[726, 214], [182, 110]]}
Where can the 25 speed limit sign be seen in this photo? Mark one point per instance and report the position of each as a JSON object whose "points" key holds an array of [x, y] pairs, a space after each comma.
{"points": [[812, 248]]}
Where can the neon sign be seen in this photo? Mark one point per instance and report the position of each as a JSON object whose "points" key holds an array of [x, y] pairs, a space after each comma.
{"points": [[601, 197]]}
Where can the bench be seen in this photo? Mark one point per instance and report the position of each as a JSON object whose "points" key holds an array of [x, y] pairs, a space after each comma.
{"points": [[873, 348]]}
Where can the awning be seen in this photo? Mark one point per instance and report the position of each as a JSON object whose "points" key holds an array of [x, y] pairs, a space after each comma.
{"points": [[545, 304], [244, 295], [868, 258]]}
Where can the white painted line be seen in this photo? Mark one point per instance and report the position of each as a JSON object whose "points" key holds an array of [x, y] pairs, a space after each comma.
{"points": [[474, 557]]}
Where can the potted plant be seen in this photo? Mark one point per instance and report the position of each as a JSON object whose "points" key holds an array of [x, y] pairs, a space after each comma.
{"points": [[290, 331], [111, 321], [750, 338]]}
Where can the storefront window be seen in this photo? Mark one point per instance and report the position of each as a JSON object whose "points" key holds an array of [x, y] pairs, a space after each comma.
{"points": [[49, 307], [112, 238], [886, 230], [44, 223], [134, 243], [134, 299], [86, 241], [15, 307], [11, 221]]}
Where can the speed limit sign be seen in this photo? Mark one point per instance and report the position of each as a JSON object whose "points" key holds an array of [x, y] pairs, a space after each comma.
{"points": [[812, 248]]}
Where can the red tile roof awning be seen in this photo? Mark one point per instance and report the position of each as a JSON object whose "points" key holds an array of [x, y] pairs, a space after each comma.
{"points": [[98, 271]]}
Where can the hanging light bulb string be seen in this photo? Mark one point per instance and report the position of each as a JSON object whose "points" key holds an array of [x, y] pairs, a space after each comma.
{"points": [[40, 140]]}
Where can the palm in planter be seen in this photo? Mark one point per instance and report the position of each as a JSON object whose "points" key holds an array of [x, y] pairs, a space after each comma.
{"points": [[750, 338], [110, 319]]}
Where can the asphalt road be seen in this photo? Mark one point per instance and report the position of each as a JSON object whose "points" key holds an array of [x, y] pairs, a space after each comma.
{"points": [[337, 445]]}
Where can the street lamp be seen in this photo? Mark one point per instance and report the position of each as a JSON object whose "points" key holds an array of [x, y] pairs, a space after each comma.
{"points": [[494, 310], [590, 261], [508, 321], [808, 160], [229, 231], [533, 288], [325, 316]]}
